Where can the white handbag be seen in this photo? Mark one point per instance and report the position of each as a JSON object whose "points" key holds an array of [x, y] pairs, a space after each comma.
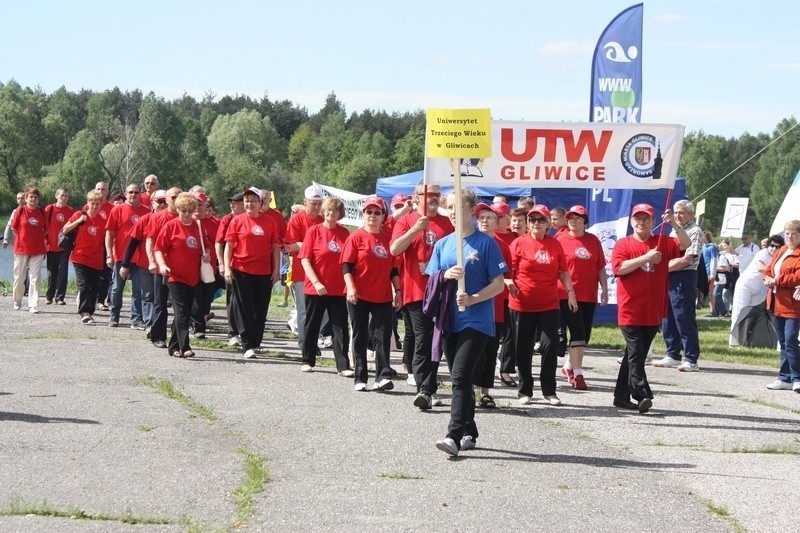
{"points": [[206, 269]]}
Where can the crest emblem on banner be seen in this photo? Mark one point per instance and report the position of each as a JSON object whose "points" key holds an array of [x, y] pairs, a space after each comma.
{"points": [[643, 155]]}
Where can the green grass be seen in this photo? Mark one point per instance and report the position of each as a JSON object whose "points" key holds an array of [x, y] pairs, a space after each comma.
{"points": [[774, 449], [170, 390], [713, 344], [722, 512], [774, 405], [16, 508], [256, 476]]}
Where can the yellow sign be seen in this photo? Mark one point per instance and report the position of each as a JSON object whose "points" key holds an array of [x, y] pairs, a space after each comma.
{"points": [[459, 133]]}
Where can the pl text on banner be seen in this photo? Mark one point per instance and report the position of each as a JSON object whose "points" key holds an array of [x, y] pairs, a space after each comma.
{"points": [[570, 155]]}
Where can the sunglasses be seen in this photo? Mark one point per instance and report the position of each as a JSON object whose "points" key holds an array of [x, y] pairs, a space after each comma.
{"points": [[376, 213], [537, 220], [161, 201]]}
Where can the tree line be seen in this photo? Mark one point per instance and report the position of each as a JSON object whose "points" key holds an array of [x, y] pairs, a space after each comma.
{"points": [[76, 139]]}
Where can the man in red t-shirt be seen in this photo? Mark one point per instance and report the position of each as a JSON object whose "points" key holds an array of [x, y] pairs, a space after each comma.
{"points": [[120, 221], [106, 276], [298, 225], [237, 208], [413, 239], [57, 214], [641, 264]]}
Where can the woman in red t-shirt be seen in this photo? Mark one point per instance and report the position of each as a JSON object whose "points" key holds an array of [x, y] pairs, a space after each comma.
{"points": [[586, 262], [30, 232], [178, 252], [537, 264], [87, 253], [370, 275], [324, 286], [253, 246]]}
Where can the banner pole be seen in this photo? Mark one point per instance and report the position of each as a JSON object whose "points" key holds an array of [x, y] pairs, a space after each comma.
{"points": [[459, 231], [666, 207]]}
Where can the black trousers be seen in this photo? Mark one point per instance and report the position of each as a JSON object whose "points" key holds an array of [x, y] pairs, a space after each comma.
{"points": [[182, 299], [632, 378], [336, 306], [408, 338], [158, 332], [57, 270], [203, 296], [381, 321], [249, 307], [87, 279], [508, 358], [463, 350], [425, 370], [484, 370], [527, 327]]}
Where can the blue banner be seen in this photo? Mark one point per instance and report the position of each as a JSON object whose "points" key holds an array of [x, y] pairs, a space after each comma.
{"points": [[617, 70]]}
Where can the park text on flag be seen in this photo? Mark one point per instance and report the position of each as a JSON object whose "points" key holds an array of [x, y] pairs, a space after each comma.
{"points": [[570, 155], [617, 69]]}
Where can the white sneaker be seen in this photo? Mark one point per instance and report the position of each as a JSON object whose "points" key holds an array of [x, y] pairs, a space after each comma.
{"points": [[554, 400], [17, 306], [667, 362], [524, 400], [292, 322], [361, 387], [686, 366], [306, 368], [233, 341], [410, 381], [796, 386], [34, 311], [347, 373], [324, 342], [448, 446], [249, 354], [383, 385], [780, 385], [467, 443]]}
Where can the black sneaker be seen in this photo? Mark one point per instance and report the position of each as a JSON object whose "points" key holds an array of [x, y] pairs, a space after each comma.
{"points": [[113, 322]]}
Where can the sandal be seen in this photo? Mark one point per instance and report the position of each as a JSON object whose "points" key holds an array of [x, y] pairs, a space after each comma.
{"points": [[187, 354], [508, 382], [487, 402], [175, 353]]}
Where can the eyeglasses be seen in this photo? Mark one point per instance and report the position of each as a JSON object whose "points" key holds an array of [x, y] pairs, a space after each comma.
{"points": [[537, 220], [375, 213], [133, 192]]}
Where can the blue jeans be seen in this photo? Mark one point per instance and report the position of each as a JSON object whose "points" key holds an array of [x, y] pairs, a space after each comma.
{"points": [[787, 330], [680, 325], [720, 306], [118, 285], [147, 287]]}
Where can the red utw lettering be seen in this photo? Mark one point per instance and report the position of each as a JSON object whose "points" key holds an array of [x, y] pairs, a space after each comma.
{"points": [[572, 149]]}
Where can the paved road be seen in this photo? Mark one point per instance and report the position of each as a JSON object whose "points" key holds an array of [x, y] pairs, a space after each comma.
{"points": [[79, 429]]}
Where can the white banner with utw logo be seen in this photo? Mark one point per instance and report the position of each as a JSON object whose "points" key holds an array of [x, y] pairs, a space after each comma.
{"points": [[569, 155]]}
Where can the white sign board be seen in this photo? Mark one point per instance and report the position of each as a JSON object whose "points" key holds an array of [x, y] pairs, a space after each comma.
{"points": [[735, 214]]}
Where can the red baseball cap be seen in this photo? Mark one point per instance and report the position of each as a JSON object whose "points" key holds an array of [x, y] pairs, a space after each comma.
{"points": [[399, 199], [483, 207], [643, 208], [501, 209], [578, 210], [374, 201], [540, 209]]}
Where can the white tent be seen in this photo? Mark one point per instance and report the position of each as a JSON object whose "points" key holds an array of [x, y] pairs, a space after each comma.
{"points": [[788, 210]]}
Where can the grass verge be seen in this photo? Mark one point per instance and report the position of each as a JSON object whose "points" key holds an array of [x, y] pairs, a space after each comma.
{"points": [[256, 476], [170, 390], [16, 508]]}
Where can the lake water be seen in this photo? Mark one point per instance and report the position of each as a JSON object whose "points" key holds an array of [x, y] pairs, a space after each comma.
{"points": [[7, 267]]}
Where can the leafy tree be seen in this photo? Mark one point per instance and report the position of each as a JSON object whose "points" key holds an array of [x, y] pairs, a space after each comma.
{"points": [[160, 142], [285, 186], [409, 152], [285, 116], [22, 135], [82, 166], [62, 121], [325, 149], [360, 174], [246, 134], [777, 169], [298, 147], [704, 161], [332, 107]]}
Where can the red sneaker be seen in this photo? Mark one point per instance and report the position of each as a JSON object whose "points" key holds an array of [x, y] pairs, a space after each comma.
{"points": [[570, 375], [579, 383]]}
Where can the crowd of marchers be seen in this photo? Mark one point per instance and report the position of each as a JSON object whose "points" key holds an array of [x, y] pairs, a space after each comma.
{"points": [[529, 281]]}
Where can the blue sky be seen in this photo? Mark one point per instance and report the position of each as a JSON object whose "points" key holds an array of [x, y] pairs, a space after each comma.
{"points": [[724, 67]]}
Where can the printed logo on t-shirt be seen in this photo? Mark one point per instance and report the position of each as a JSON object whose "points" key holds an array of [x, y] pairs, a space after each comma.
{"points": [[104, 215], [191, 242], [430, 237], [582, 253], [542, 257], [92, 230], [60, 217], [473, 257], [333, 246], [33, 221], [501, 265], [379, 251], [648, 267], [257, 230], [135, 219]]}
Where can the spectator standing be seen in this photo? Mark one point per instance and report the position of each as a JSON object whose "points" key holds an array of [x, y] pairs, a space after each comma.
{"points": [[106, 276], [746, 251], [710, 259], [237, 208], [680, 325], [782, 278], [150, 187], [57, 214]]}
